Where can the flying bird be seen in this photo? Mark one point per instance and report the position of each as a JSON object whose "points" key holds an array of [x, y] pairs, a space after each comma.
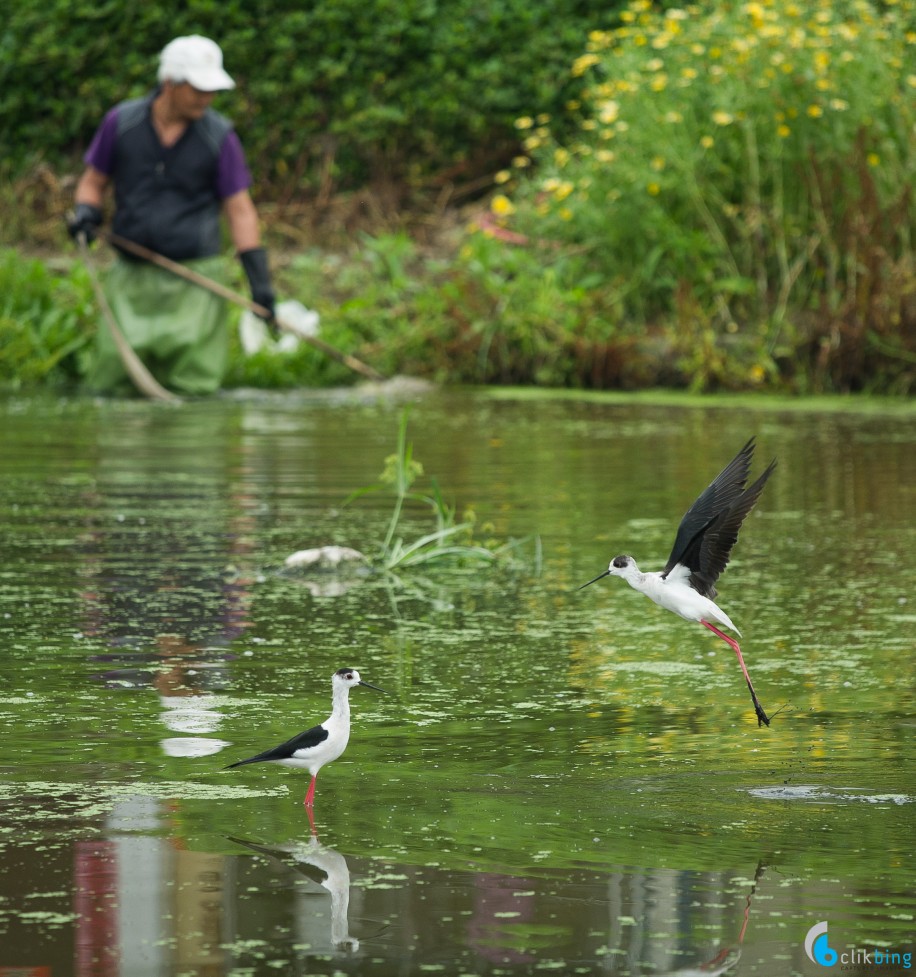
{"points": [[701, 552], [321, 744]]}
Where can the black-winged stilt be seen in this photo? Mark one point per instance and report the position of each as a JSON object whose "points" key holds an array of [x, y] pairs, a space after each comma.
{"points": [[701, 550], [321, 744]]}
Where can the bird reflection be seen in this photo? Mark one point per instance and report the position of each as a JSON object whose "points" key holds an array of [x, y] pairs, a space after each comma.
{"points": [[323, 866], [728, 956]]}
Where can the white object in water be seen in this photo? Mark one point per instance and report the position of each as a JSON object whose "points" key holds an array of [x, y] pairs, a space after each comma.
{"points": [[324, 557]]}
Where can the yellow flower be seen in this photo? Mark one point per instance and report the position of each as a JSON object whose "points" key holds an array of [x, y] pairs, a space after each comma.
{"points": [[707, 142], [815, 111], [565, 214], [755, 12], [654, 189], [659, 83], [563, 190], [609, 111], [503, 176], [839, 104], [583, 63], [782, 131], [502, 206], [657, 164], [520, 162], [873, 159], [561, 156], [525, 122], [674, 117], [722, 118]]}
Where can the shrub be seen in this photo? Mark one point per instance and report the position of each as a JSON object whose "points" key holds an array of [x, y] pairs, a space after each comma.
{"points": [[332, 94], [744, 176], [45, 322]]}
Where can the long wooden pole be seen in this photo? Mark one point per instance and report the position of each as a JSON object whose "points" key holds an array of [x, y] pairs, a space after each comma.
{"points": [[144, 381], [242, 300]]}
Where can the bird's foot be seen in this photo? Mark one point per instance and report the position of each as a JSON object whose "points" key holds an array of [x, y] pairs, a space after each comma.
{"points": [[762, 718]]}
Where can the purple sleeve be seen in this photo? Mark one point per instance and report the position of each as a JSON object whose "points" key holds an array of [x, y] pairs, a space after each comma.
{"points": [[100, 153], [231, 170]]}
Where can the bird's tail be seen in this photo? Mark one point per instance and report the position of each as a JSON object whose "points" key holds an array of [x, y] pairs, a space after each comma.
{"points": [[722, 618], [241, 763]]}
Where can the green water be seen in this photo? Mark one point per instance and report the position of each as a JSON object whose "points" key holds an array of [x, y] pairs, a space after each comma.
{"points": [[560, 781]]}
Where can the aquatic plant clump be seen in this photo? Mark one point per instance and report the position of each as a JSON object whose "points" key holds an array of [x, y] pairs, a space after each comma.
{"points": [[450, 540], [745, 168]]}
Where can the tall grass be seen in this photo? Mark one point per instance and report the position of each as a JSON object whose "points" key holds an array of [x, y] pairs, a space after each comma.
{"points": [[742, 173]]}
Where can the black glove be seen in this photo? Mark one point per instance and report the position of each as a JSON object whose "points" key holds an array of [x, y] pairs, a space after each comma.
{"points": [[85, 219], [254, 262]]}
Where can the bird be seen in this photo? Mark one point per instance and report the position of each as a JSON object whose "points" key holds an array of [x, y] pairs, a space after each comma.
{"points": [[321, 744], [701, 552]]}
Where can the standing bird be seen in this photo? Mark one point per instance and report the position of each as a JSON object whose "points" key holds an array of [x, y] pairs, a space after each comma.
{"points": [[321, 744], [704, 541]]}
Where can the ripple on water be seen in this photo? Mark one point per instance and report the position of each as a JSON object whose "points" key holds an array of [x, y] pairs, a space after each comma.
{"points": [[830, 795]]}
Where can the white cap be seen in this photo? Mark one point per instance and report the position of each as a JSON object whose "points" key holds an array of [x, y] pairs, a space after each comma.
{"points": [[196, 60]]}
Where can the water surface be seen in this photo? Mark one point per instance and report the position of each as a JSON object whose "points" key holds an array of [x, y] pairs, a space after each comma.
{"points": [[560, 781]]}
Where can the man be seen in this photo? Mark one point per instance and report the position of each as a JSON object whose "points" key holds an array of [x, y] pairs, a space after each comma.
{"points": [[175, 165]]}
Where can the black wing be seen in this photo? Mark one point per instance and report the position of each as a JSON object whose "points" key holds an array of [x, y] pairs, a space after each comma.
{"points": [[311, 737], [710, 526], [300, 865]]}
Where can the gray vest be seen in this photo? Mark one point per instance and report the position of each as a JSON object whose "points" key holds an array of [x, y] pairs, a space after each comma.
{"points": [[166, 197]]}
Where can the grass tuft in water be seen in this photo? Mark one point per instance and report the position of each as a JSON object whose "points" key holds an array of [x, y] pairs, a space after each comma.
{"points": [[449, 541]]}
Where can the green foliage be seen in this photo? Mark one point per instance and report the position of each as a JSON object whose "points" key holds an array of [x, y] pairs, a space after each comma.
{"points": [[331, 94], [449, 540], [740, 173], [45, 322]]}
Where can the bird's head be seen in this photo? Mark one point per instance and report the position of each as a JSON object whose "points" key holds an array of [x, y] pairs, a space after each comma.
{"points": [[348, 677], [616, 568], [619, 566]]}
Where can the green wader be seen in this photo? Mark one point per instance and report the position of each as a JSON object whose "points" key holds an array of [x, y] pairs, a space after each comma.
{"points": [[178, 329]]}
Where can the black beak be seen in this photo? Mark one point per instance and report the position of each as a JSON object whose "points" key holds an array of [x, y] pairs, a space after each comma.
{"points": [[600, 575], [370, 686]]}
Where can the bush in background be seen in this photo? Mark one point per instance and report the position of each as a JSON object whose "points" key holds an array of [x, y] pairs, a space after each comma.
{"points": [[45, 322], [332, 95], [742, 179]]}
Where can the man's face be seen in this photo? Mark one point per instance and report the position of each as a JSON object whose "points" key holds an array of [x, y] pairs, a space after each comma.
{"points": [[188, 102]]}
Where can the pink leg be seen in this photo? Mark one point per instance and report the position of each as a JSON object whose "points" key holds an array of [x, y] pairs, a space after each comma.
{"points": [[310, 795], [761, 715]]}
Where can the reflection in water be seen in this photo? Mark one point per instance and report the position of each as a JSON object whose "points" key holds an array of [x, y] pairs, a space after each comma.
{"points": [[324, 867]]}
